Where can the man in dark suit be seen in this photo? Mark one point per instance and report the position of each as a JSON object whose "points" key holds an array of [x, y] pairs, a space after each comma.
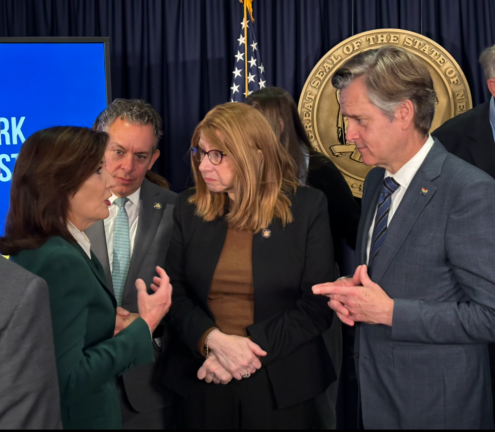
{"points": [[29, 396], [131, 242], [423, 298], [470, 136]]}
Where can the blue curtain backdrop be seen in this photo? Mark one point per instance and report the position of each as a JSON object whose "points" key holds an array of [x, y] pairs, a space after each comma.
{"points": [[178, 54]]}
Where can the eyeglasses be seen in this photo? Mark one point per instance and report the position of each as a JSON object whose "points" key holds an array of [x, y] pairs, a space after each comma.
{"points": [[215, 156]]}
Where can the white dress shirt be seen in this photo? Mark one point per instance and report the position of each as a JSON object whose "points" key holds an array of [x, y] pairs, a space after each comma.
{"points": [[404, 177], [132, 209], [80, 237]]}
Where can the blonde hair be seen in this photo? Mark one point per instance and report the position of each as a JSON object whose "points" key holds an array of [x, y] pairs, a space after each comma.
{"points": [[265, 174], [392, 75]]}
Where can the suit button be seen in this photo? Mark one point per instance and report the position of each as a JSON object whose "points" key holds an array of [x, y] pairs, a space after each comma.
{"points": [[357, 355]]}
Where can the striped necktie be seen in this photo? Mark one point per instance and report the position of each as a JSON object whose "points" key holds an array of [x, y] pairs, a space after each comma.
{"points": [[121, 250], [381, 219]]}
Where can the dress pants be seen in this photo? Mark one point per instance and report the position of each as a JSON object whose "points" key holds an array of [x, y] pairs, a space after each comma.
{"points": [[162, 419], [245, 404]]}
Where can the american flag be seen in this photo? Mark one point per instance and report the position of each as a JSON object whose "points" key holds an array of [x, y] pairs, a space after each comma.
{"points": [[254, 71]]}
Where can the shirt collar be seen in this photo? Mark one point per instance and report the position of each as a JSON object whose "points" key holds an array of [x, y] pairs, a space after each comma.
{"points": [[133, 198], [405, 175], [80, 237]]}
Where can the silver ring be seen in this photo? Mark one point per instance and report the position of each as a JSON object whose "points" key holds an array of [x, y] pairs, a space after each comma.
{"points": [[246, 375]]}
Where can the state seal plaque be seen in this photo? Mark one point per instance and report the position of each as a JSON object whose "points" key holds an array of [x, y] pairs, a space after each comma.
{"points": [[319, 103]]}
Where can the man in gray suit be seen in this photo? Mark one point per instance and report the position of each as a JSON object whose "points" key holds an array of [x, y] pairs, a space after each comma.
{"points": [[423, 298], [131, 242], [29, 395]]}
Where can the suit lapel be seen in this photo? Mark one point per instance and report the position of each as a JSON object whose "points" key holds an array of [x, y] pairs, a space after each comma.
{"points": [[409, 209], [96, 234], [97, 270], [150, 216], [482, 147]]}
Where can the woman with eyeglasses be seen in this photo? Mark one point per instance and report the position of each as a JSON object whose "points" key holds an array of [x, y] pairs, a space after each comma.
{"points": [[247, 246]]}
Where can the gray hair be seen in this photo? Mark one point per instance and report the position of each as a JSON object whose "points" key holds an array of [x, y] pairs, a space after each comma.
{"points": [[487, 60], [392, 75], [134, 111]]}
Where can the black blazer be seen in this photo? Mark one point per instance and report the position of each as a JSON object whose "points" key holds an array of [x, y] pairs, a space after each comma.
{"points": [[343, 209], [470, 137], [288, 318]]}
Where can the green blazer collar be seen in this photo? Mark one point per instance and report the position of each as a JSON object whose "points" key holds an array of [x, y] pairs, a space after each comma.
{"points": [[96, 268]]}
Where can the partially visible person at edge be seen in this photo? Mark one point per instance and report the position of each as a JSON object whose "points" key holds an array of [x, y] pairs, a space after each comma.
{"points": [[248, 242], [314, 168], [131, 242], [29, 395], [60, 187]]}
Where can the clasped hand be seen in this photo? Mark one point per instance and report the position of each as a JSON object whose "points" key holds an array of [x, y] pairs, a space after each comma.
{"points": [[358, 299], [230, 357]]}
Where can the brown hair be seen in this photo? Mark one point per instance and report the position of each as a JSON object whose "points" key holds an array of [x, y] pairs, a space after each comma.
{"points": [[52, 165], [392, 75], [265, 173], [279, 108]]}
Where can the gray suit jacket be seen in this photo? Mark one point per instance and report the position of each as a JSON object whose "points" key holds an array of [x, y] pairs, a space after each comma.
{"points": [[29, 394], [431, 368], [150, 250]]}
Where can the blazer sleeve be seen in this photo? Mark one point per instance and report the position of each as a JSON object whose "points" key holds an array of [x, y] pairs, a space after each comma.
{"points": [[188, 319], [28, 371], [470, 248], [81, 369], [310, 315]]}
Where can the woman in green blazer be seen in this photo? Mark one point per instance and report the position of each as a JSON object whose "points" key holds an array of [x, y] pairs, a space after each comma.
{"points": [[59, 188]]}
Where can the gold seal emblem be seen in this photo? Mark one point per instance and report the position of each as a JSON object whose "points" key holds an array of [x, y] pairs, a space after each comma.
{"points": [[157, 206], [319, 106]]}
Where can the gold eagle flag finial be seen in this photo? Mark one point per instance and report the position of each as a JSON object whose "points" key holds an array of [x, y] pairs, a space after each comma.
{"points": [[248, 4]]}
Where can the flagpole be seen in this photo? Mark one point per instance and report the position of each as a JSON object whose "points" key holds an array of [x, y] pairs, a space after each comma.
{"points": [[246, 47]]}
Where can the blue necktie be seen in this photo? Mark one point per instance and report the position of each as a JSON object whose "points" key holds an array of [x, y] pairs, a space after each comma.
{"points": [[121, 250], [381, 219]]}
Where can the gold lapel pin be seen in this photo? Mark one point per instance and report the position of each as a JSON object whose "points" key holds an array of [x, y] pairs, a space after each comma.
{"points": [[266, 233], [158, 206]]}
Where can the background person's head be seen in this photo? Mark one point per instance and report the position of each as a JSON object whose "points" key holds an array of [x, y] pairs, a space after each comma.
{"points": [[388, 98], [279, 108], [487, 61], [59, 176], [246, 163], [135, 129]]}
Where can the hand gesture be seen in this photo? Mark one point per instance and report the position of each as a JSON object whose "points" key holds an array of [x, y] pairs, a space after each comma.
{"points": [[152, 308], [358, 299]]}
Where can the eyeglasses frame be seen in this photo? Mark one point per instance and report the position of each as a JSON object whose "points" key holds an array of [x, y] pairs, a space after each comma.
{"points": [[207, 153]]}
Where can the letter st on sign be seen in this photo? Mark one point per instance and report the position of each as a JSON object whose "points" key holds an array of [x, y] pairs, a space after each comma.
{"points": [[10, 134]]}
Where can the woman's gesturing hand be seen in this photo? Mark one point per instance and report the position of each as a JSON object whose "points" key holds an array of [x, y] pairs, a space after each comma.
{"points": [[213, 371], [238, 355], [152, 308]]}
